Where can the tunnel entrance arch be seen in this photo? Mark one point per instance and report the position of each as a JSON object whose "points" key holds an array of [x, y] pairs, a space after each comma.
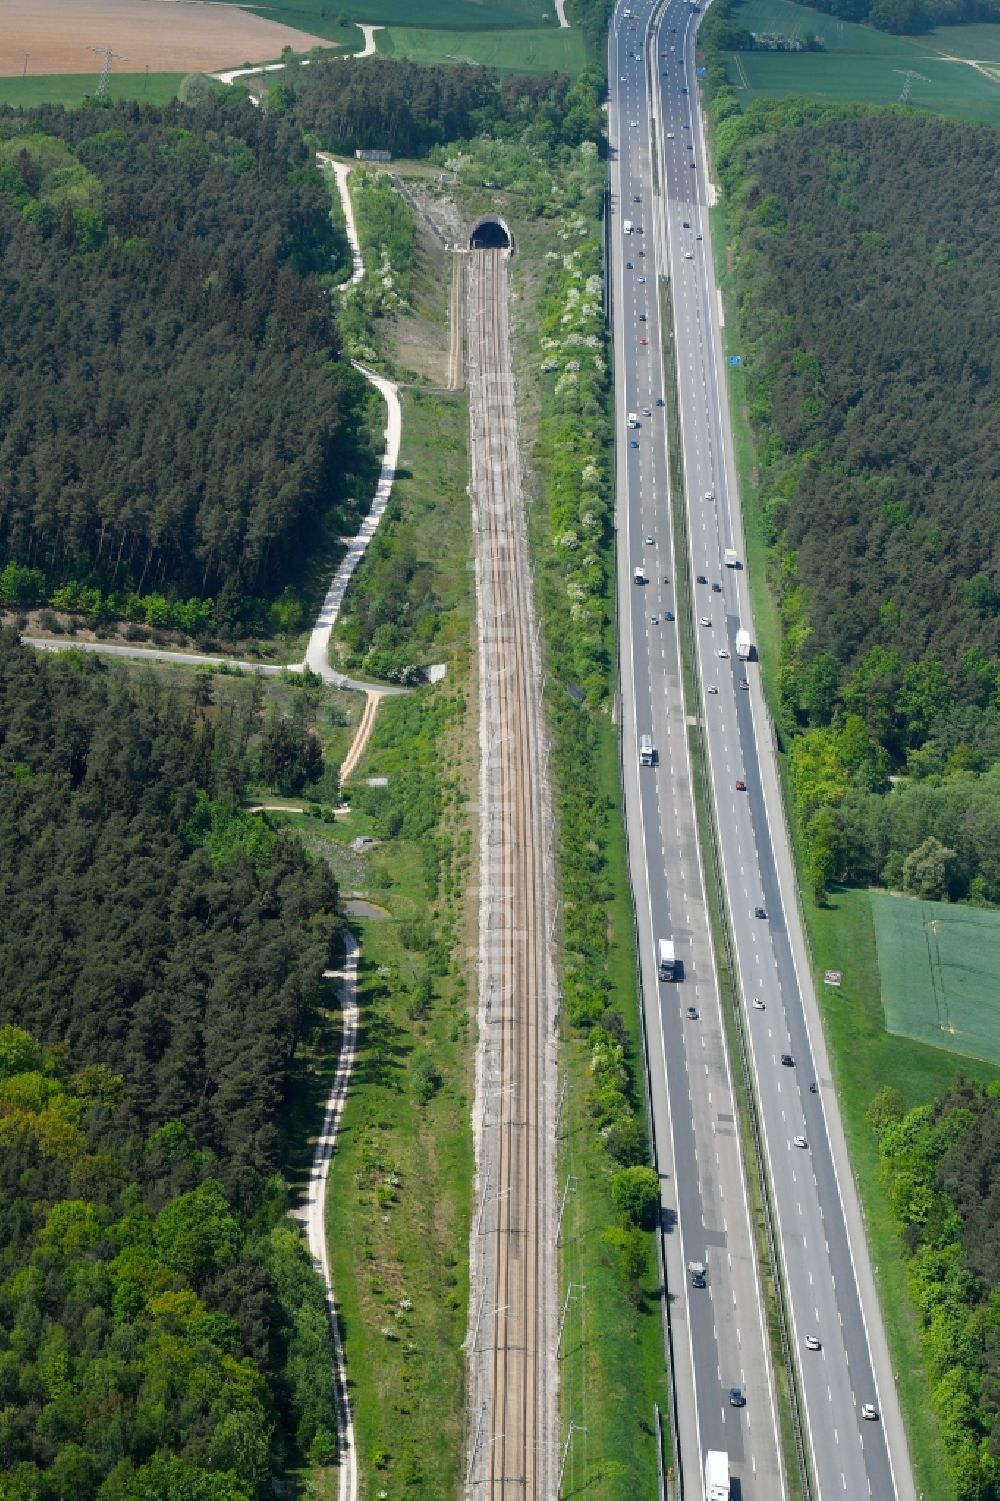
{"points": [[491, 233]]}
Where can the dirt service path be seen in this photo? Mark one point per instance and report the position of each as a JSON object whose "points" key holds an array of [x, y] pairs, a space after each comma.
{"points": [[165, 36]]}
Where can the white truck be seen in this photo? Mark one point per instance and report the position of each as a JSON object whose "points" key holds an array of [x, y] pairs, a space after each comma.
{"points": [[732, 560], [632, 420], [744, 646], [639, 575], [647, 754], [666, 962], [716, 1475], [627, 227]]}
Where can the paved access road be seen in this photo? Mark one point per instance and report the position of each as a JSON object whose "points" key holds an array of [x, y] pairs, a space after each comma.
{"points": [[717, 1332], [820, 1234]]}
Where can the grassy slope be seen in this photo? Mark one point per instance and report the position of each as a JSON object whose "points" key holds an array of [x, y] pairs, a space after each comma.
{"points": [[865, 65], [322, 18], [864, 1056], [525, 51], [73, 88]]}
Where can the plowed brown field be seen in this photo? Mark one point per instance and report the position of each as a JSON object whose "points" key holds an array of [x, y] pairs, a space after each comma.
{"points": [[165, 36]]}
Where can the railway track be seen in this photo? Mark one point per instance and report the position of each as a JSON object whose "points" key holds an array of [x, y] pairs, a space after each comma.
{"points": [[513, 1256]]}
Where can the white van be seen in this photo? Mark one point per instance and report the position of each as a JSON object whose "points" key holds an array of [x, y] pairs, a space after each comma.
{"points": [[639, 576], [627, 226], [633, 420], [646, 750]]}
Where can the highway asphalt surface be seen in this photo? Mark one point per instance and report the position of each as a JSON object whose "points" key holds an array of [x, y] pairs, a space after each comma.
{"points": [[850, 1455], [718, 1332]]}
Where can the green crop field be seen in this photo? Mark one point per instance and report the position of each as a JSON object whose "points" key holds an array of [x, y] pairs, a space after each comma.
{"points": [[73, 88], [940, 969], [537, 51], [322, 17], [957, 67]]}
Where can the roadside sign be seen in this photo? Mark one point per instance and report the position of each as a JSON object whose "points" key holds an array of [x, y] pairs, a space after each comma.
{"points": [[736, 359]]}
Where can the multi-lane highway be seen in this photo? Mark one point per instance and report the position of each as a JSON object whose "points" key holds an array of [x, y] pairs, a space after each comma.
{"points": [[838, 1342], [718, 1331]]}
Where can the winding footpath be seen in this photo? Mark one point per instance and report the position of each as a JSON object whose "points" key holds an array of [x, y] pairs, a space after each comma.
{"points": [[367, 50], [313, 1213]]}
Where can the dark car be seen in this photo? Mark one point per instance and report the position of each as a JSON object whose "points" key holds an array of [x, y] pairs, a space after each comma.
{"points": [[760, 912], [685, 224], [741, 786], [660, 402], [812, 1087], [702, 579], [633, 442], [716, 587], [788, 1060], [736, 1397], [642, 317], [698, 1279], [668, 614], [628, 265]]}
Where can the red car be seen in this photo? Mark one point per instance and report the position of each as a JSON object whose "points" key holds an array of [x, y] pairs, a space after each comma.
{"points": [[741, 786], [643, 341]]}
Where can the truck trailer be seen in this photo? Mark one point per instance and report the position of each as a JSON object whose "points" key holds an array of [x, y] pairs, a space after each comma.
{"points": [[666, 962], [716, 1475], [744, 646]]}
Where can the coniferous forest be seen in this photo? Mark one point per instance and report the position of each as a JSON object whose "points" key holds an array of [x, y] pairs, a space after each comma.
{"points": [[163, 1336], [175, 413], [870, 296]]}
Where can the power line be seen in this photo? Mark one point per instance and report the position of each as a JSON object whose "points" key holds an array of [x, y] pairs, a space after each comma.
{"points": [[107, 53]]}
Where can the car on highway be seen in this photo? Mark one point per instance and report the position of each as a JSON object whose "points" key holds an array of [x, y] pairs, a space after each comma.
{"points": [[760, 912], [670, 135], [799, 1141], [654, 619], [633, 442], [723, 651], [643, 341], [869, 1412], [744, 682], [788, 1060], [660, 401], [693, 166], [812, 1343], [688, 256], [698, 1278], [642, 281], [683, 91], [716, 587], [757, 1003], [741, 786], [628, 265], [705, 620], [647, 412], [664, 54], [697, 237], [636, 197], [685, 224], [702, 579], [812, 1088], [668, 614], [692, 1014], [634, 124], [712, 688], [642, 252], [650, 541], [736, 1397], [642, 318]]}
